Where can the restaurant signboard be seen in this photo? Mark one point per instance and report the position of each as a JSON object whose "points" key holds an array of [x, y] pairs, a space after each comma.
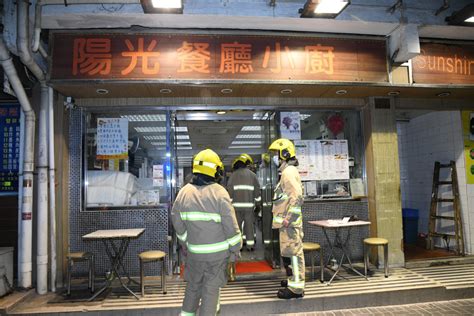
{"points": [[168, 57]]}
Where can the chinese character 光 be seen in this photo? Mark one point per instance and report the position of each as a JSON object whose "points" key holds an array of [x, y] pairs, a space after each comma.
{"points": [[278, 67], [140, 52], [91, 56], [236, 58], [319, 59], [194, 57]]}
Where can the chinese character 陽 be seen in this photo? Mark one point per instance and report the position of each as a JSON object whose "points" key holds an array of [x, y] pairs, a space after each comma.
{"points": [[91, 56]]}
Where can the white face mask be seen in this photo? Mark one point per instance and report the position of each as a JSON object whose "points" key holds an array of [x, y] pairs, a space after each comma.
{"points": [[276, 160]]}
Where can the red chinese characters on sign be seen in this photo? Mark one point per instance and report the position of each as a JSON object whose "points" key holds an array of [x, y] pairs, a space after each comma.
{"points": [[194, 57], [319, 59], [278, 67], [140, 53], [236, 58], [91, 56]]}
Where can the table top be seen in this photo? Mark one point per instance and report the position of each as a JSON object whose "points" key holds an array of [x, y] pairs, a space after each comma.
{"points": [[335, 223], [115, 233]]}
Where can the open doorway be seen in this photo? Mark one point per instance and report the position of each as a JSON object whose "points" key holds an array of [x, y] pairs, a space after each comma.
{"points": [[231, 133]]}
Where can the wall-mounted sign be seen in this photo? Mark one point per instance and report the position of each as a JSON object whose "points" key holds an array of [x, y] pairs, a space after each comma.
{"points": [[290, 125], [216, 57], [112, 138], [10, 146], [444, 64]]}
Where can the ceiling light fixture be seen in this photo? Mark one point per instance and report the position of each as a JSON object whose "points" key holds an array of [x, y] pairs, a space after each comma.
{"points": [[226, 91], [102, 91], [393, 93], [162, 6], [165, 91], [323, 8], [286, 91], [443, 94], [341, 92], [463, 17], [221, 112]]}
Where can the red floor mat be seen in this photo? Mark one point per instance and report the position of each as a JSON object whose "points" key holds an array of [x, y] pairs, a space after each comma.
{"points": [[253, 267]]}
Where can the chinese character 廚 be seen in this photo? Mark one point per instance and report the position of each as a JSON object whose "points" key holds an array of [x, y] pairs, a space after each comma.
{"points": [[319, 59]]}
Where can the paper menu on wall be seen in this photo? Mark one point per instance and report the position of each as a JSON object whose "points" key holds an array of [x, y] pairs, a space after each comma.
{"points": [[323, 159]]}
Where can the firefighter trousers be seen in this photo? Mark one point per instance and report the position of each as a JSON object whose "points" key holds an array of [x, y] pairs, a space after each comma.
{"points": [[291, 246], [248, 217], [204, 281]]}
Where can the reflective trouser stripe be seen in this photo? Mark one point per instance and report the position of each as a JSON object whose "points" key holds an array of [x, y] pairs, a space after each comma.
{"points": [[258, 199], [250, 242], [200, 216], [216, 247], [243, 187], [183, 236], [218, 301], [243, 204], [297, 283], [295, 209], [266, 242], [183, 313]]}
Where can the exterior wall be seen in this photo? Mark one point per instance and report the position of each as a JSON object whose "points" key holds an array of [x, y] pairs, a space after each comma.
{"points": [[436, 136], [383, 177]]}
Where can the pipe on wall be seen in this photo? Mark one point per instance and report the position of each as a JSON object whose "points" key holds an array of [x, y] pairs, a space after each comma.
{"points": [[52, 188], [24, 50], [26, 191]]}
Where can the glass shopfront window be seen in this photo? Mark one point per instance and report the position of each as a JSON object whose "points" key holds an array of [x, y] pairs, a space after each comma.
{"points": [[330, 149], [127, 159]]}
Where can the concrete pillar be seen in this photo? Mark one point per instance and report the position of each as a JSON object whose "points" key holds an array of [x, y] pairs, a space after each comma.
{"points": [[383, 177]]}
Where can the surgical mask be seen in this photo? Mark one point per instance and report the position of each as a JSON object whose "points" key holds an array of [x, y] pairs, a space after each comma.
{"points": [[276, 160]]}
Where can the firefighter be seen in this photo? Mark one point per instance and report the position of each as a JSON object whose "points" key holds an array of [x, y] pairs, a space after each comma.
{"points": [[244, 190], [287, 217], [205, 224]]}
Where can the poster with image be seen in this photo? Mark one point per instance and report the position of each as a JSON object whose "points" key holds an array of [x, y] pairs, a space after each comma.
{"points": [[112, 138], [290, 125], [468, 141]]}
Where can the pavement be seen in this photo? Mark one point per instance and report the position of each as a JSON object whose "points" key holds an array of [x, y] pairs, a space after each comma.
{"points": [[440, 308]]}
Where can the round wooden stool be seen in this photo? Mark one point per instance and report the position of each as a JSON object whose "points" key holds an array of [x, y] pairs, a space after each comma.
{"points": [[310, 248], [375, 241], [150, 256]]}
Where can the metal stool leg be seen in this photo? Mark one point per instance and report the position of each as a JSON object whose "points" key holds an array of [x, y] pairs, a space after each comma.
{"points": [[385, 256], [69, 268], [321, 262], [366, 259], [163, 275], [312, 265], [142, 281], [92, 263]]}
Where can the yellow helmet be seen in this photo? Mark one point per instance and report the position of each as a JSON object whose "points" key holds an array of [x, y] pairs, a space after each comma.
{"points": [[244, 158], [285, 148], [208, 162], [266, 158]]}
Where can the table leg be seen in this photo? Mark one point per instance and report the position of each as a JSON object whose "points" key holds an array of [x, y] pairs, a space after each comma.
{"points": [[332, 245], [347, 252]]}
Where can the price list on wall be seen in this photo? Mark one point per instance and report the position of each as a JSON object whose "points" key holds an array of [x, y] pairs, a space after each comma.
{"points": [[10, 146]]}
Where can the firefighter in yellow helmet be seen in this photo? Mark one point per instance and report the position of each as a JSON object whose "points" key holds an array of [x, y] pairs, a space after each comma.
{"points": [[244, 190], [205, 224], [287, 217]]}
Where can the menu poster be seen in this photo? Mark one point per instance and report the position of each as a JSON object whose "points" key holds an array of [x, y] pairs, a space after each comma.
{"points": [[290, 125], [323, 159], [10, 145], [112, 138], [158, 177]]}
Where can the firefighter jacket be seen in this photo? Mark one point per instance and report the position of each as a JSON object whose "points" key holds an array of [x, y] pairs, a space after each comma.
{"points": [[288, 198], [205, 222], [244, 189]]}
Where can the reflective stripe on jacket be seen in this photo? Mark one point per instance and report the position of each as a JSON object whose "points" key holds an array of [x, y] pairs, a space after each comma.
{"points": [[205, 222], [244, 189], [288, 198]]}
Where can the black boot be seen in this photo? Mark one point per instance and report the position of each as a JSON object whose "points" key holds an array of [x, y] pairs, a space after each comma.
{"points": [[284, 283], [288, 294]]}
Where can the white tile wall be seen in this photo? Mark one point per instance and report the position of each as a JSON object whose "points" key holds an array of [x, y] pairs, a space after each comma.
{"points": [[436, 136]]}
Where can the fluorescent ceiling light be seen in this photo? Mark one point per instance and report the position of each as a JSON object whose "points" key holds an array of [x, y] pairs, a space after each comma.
{"points": [[166, 4], [182, 136], [249, 136], [154, 137], [251, 128], [158, 144], [145, 118], [330, 6], [243, 142], [185, 148], [470, 20], [240, 147], [150, 129], [304, 116]]}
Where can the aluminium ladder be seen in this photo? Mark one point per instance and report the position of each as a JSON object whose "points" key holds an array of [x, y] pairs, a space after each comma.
{"points": [[436, 217]]}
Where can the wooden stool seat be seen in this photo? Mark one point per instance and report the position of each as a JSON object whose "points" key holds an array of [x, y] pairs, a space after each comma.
{"points": [[150, 256], [309, 247], [376, 241], [76, 257]]}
